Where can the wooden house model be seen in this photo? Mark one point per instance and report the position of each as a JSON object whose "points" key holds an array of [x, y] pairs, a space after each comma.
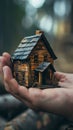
{"points": [[33, 61]]}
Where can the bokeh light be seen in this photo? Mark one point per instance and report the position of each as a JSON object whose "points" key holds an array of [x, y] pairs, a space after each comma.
{"points": [[62, 8], [46, 23], [36, 3], [30, 10]]}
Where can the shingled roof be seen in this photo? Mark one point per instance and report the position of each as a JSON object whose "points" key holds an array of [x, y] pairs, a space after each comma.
{"points": [[27, 45], [43, 66]]}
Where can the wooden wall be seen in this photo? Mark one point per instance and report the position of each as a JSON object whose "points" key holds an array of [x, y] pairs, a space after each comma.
{"points": [[40, 50], [21, 72]]}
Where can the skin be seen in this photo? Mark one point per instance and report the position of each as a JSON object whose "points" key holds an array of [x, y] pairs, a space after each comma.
{"points": [[55, 100]]}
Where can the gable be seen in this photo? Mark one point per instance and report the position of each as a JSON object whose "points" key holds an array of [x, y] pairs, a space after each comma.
{"points": [[47, 45], [40, 49]]}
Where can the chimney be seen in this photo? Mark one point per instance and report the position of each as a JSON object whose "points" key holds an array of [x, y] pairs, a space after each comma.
{"points": [[39, 32]]}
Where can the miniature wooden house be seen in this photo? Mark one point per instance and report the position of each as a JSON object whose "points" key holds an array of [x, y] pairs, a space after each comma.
{"points": [[33, 61]]}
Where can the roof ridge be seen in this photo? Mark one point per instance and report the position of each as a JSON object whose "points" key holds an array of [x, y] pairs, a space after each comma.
{"points": [[36, 35]]}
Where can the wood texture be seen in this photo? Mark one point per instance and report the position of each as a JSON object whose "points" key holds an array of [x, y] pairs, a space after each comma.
{"points": [[31, 52]]}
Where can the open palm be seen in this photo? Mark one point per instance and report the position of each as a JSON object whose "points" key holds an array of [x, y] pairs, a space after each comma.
{"points": [[55, 100]]}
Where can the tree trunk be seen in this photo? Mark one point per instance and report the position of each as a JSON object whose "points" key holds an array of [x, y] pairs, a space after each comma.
{"points": [[31, 120]]}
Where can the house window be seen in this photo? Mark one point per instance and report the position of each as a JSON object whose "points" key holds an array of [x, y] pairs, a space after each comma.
{"points": [[20, 76], [46, 57], [35, 58]]}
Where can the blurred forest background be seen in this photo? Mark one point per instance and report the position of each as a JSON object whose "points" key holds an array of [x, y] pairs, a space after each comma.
{"points": [[20, 18]]}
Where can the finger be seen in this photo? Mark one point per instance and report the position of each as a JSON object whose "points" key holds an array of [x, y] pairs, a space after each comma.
{"points": [[7, 55], [7, 73], [2, 63], [59, 75], [12, 86], [10, 83], [65, 85], [7, 58], [4, 60], [7, 76]]}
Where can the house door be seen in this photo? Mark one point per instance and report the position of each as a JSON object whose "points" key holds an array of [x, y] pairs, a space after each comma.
{"points": [[46, 77], [36, 76]]}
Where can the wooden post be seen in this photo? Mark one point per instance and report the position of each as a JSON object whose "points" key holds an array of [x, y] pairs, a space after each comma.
{"points": [[40, 78]]}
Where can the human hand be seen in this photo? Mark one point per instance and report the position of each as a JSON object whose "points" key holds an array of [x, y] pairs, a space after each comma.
{"points": [[4, 60], [56, 100]]}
